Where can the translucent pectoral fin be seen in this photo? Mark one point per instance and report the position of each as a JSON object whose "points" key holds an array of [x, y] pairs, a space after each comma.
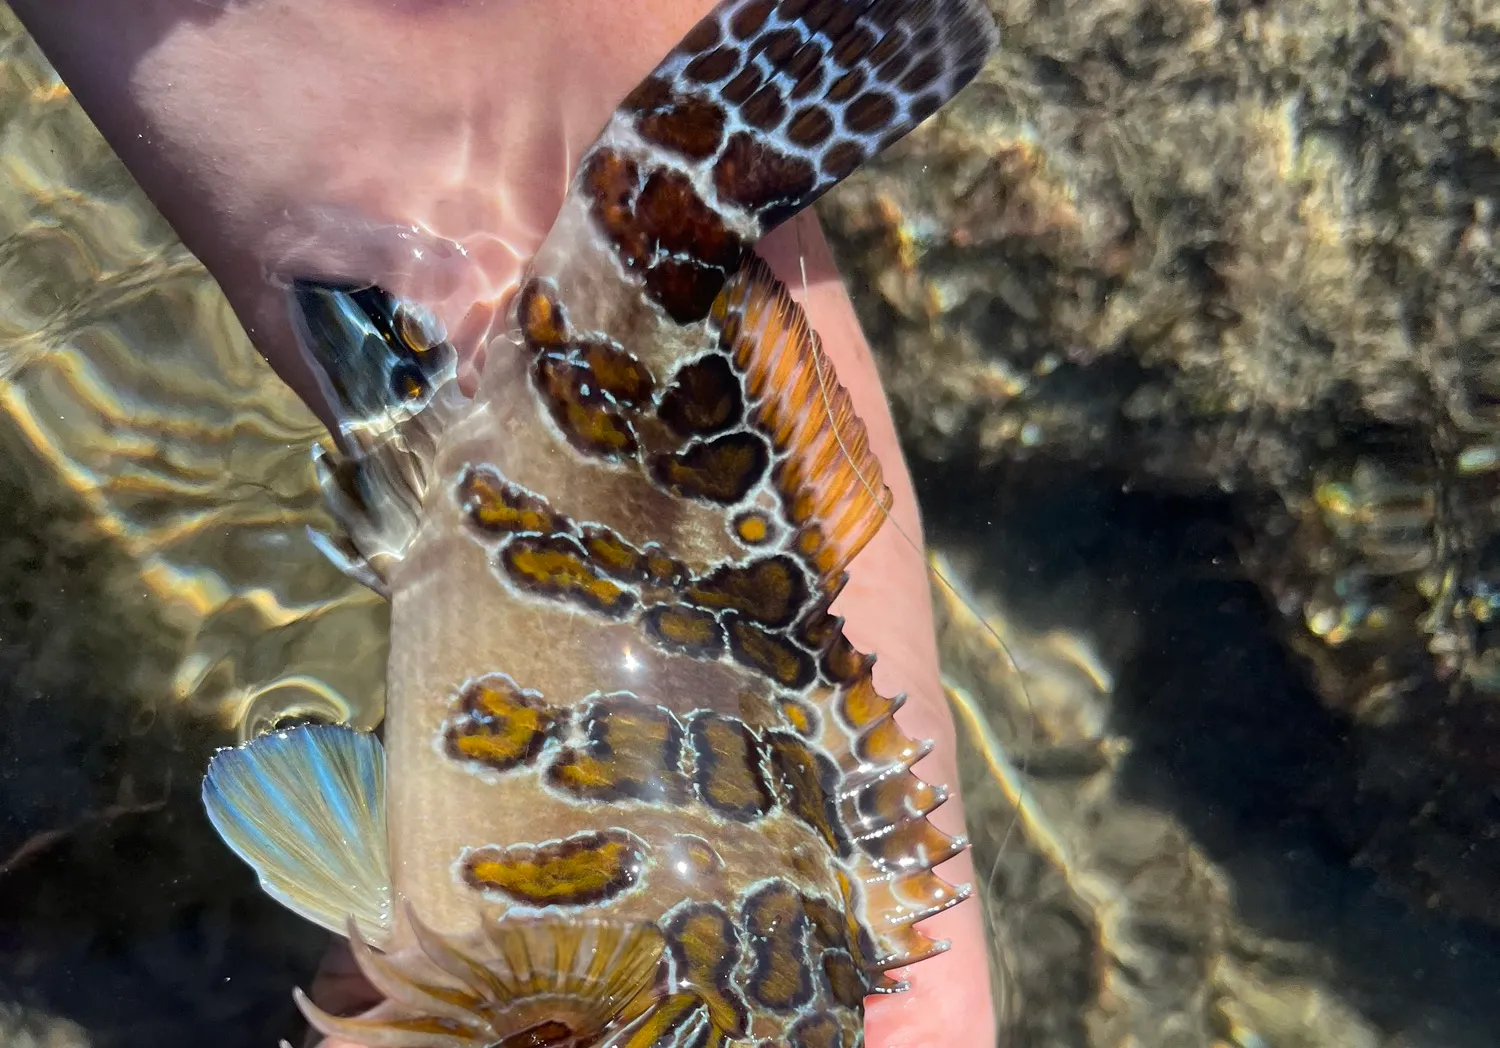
{"points": [[391, 381], [521, 981], [306, 809]]}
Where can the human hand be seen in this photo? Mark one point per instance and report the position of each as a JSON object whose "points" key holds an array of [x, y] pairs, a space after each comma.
{"points": [[285, 138]]}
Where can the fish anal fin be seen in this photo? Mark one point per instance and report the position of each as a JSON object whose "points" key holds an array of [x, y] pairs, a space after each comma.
{"points": [[829, 480], [513, 981], [305, 808]]}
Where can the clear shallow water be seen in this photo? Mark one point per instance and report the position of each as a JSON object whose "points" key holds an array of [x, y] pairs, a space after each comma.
{"points": [[1145, 810]]}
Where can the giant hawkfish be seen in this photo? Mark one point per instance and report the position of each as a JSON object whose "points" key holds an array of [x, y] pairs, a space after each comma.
{"points": [[636, 788]]}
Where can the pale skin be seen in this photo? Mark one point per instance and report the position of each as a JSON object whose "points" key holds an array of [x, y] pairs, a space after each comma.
{"points": [[426, 145]]}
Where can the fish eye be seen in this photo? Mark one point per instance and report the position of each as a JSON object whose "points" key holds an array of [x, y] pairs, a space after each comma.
{"points": [[408, 383], [417, 328]]}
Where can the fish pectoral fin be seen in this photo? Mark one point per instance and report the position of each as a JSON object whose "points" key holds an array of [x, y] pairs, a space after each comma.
{"points": [[390, 377], [555, 981], [306, 809]]}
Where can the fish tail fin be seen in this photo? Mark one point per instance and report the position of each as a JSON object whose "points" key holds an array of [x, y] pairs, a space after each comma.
{"points": [[762, 108], [555, 980], [391, 380], [305, 808]]}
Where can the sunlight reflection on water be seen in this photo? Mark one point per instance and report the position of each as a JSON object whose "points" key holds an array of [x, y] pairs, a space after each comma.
{"points": [[124, 370]]}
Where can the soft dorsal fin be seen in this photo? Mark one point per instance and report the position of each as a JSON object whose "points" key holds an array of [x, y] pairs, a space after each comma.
{"points": [[306, 809], [829, 478]]}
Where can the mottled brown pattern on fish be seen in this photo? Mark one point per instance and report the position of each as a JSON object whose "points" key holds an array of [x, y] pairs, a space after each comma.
{"points": [[667, 485], [728, 767], [816, 1031], [777, 926], [590, 867], [704, 944], [631, 750], [723, 470], [770, 590], [499, 725], [557, 566], [496, 505], [769, 654]]}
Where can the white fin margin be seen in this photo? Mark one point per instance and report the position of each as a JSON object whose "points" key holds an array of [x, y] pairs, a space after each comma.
{"points": [[306, 809]]}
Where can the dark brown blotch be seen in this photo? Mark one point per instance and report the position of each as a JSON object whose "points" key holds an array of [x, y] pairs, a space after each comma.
{"points": [[853, 46], [497, 506], [803, 717], [713, 66], [846, 86], [556, 566], [771, 590], [688, 125], [745, 83], [811, 127], [582, 870], [777, 926], [759, 178], [846, 984], [807, 785], [496, 723], [765, 109], [728, 772], [701, 37], [686, 629], [816, 1031], [618, 372], [706, 948], [612, 555], [778, 47], [871, 111], [751, 18], [613, 182], [632, 750], [723, 470], [769, 654], [588, 416], [704, 398], [922, 75], [544, 321]]}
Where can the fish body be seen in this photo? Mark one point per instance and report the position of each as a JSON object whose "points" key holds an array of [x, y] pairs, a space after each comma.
{"points": [[637, 786]]}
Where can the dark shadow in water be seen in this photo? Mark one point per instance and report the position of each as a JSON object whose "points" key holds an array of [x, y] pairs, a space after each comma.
{"points": [[119, 907], [1226, 732]]}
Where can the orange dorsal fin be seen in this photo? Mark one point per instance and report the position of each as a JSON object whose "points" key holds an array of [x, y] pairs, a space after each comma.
{"points": [[828, 476]]}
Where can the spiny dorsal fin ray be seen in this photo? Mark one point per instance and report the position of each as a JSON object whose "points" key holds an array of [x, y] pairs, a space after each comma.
{"points": [[830, 480], [517, 980], [306, 809]]}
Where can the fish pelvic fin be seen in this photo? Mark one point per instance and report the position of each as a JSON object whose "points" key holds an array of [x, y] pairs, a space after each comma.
{"points": [[305, 808], [516, 981], [391, 379]]}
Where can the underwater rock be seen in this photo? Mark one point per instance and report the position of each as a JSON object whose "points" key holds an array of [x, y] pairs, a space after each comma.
{"points": [[1243, 254]]}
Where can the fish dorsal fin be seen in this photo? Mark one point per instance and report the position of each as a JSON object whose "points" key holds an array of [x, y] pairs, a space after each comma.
{"points": [[306, 809], [830, 480], [390, 377], [516, 981]]}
